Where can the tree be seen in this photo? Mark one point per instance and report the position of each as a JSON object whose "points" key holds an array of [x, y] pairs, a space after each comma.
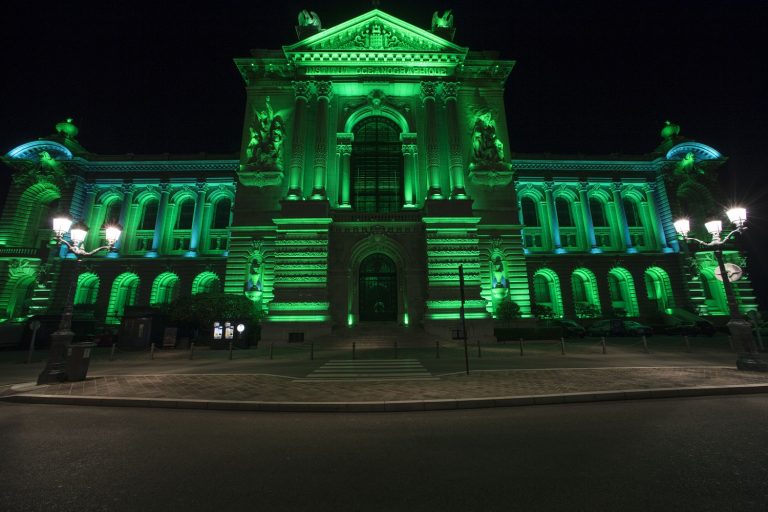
{"points": [[507, 311], [202, 310]]}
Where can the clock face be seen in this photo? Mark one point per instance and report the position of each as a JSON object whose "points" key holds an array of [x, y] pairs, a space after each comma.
{"points": [[734, 272]]}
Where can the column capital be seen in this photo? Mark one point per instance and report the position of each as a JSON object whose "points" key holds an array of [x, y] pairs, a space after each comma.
{"points": [[650, 186], [127, 188], [429, 89], [165, 187], [343, 149], [617, 186], [449, 91], [549, 185], [201, 186], [410, 149], [584, 186], [324, 90], [301, 90]]}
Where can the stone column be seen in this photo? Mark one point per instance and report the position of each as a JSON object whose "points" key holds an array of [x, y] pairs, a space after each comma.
{"points": [[409, 169], [587, 213], [549, 187], [622, 215], [162, 206], [90, 198], [125, 210], [324, 93], [197, 219], [343, 155], [650, 196], [296, 167], [428, 91], [456, 162]]}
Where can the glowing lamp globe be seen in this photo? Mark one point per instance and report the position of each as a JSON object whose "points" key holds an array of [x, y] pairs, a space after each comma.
{"points": [[240, 328], [714, 227], [61, 224], [78, 233], [738, 216], [682, 226], [112, 233]]}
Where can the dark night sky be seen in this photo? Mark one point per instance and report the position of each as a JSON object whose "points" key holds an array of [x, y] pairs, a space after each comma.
{"points": [[591, 77]]}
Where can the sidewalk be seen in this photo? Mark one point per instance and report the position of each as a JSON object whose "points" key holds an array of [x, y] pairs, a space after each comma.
{"points": [[375, 381]]}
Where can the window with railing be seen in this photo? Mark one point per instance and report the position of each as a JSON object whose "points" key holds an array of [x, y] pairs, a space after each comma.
{"points": [[533, 239], [569, 238], [142, 240], [218, 241]]}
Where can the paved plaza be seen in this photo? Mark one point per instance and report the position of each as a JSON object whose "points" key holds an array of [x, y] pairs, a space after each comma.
{"points": [[313, 375]]}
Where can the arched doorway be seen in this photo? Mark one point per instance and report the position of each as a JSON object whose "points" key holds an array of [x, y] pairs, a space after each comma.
{"points": [[377, 289]]}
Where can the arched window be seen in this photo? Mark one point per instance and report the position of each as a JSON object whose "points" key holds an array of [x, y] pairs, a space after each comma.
{"points": [[621, 288], [112, 212], [149, 215], [206, 282], [546, 291], [630, 210], [164, 289], [87, 289], [659, 288], [585, 295], [186, 211], [221, 213], [597, 209], [563, 207], [377, 166], [123, 294], [530, 212]]}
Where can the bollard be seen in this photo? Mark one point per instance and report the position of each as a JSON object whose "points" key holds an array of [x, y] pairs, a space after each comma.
{"points": [[353, 350], [152, 351], [112, 352], [562, 346], [687, 344], [521, 347], [730, 343], [479, 352], [395, 350], [191, 350], [437, 350], [645, 344], [602, 340], [230, 350], [271, 350], [312, 351]]}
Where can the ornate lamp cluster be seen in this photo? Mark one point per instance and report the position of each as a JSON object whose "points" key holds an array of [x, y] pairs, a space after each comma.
{"points": [[77, 234], [740, 329], [738, 216]]}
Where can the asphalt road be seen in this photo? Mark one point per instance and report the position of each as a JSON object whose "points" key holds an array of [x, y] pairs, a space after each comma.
{"points": [[683, 454]]}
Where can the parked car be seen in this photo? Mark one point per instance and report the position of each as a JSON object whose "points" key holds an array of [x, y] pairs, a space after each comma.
{"points": [[619, 327], [691, 328], [570, 328]]}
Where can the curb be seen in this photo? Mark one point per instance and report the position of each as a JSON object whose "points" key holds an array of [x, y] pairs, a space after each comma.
{"points": [[390, 406]]}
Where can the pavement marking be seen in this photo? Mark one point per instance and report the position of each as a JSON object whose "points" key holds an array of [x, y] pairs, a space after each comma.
{"points": [[381, 369]]}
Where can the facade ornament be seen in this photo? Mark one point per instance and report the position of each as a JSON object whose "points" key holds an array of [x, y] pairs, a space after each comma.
{"points": [[20, 267], [254, 279], [496, 243], [375, 36], [309, 19], [264, 153], [301, 90], [449, 90], [487, 167], [444, 21], [324, 90], [344, 149], [428, 89], [376, 97]]}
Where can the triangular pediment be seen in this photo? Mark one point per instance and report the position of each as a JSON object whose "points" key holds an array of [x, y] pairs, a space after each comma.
{"points": [[370, 35]]}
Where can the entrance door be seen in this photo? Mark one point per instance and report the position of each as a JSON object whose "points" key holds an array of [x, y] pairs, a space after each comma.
{"points": [[378, 289]]}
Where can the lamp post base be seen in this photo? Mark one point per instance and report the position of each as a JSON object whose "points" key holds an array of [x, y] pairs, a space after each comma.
{"points": [[749, 359], [56, 366], [751, 362]]}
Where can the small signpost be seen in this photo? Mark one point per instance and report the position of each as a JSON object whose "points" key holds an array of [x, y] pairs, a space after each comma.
{"points": [[34, 325]]}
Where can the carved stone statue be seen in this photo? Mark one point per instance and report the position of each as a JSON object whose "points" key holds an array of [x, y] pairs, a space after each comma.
{"points": [[265, 147], [499, 273], [486, 147], [309, 19], [444, 21]]}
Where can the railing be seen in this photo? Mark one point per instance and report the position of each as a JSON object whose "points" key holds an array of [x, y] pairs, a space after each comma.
{"points": [[532, 238], [569, 239], [637, 235], [218, 241], [603, 237], [181, 240], [29, 252], [143, 240]]}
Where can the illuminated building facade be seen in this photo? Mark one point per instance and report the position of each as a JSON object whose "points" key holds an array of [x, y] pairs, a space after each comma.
{"points": [[375, 160]]}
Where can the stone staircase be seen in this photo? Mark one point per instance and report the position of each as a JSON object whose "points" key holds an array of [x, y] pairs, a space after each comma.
{"points": [[379, 334]]}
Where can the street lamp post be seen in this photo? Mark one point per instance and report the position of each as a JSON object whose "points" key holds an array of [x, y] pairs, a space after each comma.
{"points": [[61, 338], [741, 329]]}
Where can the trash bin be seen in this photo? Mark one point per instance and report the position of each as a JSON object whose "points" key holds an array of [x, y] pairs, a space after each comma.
{"points": [[78, 358]]}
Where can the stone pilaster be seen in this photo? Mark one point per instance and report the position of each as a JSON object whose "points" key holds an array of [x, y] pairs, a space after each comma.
{"points": [[660, 236], [324, 93], [410, 169], [125, 210], [587, 214], [622, 217], [456, 162], [296, 167], [162, 208], [343, 156], [549, 187], [428, 92], [197, 219]]}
